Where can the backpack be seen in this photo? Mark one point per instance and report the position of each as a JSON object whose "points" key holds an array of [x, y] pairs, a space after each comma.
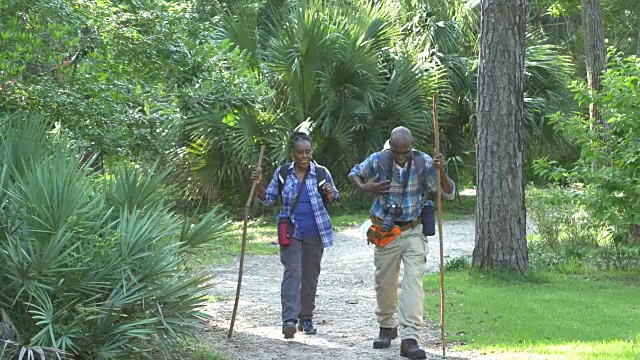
{"points": [[321, 176], [427, 213], [417, 164]]}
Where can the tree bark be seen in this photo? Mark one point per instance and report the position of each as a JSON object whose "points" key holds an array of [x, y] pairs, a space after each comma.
{"points": [[595, 53], [501, 241]]}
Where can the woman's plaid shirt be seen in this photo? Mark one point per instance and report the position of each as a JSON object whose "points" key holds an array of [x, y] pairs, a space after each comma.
{"points": [[289, 192]]}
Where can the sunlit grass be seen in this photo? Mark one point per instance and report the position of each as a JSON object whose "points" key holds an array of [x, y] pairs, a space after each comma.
{"points": [[564, 317], [576, 350]]}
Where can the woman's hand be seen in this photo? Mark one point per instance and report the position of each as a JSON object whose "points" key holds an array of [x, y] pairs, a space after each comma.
{"points": [[327, 189], [256, 176]]}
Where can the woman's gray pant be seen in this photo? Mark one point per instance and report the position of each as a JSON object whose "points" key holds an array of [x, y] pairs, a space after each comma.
{"points": [[301, 262]]}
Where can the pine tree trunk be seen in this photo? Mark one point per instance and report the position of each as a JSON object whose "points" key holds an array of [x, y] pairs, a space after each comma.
{"points": [[501, 241], [595, 53], [638, 42]]}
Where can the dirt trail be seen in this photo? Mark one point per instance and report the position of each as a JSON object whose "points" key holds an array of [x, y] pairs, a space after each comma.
{"points": [[345, 304]]}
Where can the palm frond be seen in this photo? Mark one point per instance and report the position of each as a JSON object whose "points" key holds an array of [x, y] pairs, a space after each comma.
{"points": [[135, 189], [196, 235]]}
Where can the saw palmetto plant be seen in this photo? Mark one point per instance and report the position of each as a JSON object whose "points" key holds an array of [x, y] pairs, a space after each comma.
{"points": [[91, 266]]}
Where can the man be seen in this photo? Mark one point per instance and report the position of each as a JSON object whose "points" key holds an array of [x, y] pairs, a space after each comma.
{"points": [[400, 186]]}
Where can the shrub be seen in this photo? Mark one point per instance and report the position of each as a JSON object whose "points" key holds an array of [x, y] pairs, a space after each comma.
{"points": [[457, 264], [609, 165], [92, 266], [558, 218], [568, 237]]}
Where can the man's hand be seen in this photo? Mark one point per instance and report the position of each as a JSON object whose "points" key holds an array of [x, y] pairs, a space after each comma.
{"points": [[375, 186], [439, 161]]}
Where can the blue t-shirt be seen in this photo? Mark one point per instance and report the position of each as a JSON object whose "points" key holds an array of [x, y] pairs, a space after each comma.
{"points": [[305, 220]]}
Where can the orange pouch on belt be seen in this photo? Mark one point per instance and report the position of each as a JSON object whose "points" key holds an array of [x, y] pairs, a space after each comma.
{"points": [[379, 237]]}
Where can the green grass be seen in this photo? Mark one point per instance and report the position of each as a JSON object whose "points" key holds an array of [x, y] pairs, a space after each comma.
{"points": [[568, 317], [192, 351], [202, 353], [460, 208]]}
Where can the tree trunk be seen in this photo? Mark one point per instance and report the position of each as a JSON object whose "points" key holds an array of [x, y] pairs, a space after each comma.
{"points": [[595, 54], [638, 42], [501, 241]]}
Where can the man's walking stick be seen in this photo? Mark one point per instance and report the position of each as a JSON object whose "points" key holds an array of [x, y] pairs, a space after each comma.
{"points": [[436, 131], [247, 207]]}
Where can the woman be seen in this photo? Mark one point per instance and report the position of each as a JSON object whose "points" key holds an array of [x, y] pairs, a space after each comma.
{"points": [[312, 233]]}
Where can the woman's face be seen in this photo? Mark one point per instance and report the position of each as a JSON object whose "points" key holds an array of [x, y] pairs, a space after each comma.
{"points": [[302, 153]]}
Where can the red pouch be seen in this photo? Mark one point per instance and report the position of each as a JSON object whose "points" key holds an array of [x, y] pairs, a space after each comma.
{"points": [[285, 230]]}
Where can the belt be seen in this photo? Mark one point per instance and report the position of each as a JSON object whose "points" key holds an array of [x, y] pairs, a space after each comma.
{"points": [[403, 225]]}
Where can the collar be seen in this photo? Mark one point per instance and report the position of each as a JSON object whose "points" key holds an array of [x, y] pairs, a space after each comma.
{"points": [[311, 164]]}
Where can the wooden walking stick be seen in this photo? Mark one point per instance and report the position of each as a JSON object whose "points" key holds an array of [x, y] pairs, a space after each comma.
{"points": [[247, 207], [436, 131]]}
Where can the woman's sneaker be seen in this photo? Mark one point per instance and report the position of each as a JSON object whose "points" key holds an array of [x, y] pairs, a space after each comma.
{"points": [[289, 329], [306, 326]]}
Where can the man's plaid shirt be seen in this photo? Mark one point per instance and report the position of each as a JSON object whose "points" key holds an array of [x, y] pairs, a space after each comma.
{"points": [[411, 202]]}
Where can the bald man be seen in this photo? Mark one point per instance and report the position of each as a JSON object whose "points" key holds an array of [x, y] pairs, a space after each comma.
{"points": [[396, 175]]}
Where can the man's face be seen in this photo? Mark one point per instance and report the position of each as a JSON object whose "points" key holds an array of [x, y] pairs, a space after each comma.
{"points": [[302, 153], [401, 151]]}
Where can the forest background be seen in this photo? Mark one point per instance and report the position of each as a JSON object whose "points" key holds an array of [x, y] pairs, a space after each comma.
{"points": [[130, 129]]}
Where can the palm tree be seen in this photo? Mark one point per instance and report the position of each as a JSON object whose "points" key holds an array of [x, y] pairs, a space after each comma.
{"points": [[334, 69], [348, 72]]}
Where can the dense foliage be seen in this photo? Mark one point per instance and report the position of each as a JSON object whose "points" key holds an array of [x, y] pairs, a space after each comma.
{"points": [[93, 267], [608, 171], [152, 106]]}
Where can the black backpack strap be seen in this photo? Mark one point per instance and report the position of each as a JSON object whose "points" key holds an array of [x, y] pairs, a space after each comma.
{"points": [[282, 177], [321, 175], [419, 168], [297, 200], [385, 167]]}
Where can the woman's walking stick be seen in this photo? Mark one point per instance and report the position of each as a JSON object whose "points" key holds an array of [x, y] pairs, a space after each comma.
{"points": [[436, 131], [247, 207]]}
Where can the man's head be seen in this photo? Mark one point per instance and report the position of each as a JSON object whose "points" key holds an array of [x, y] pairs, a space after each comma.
{"points": [[401, 144]]}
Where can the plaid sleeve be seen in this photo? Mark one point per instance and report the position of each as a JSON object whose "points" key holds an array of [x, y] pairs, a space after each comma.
{"points": [[336, 194], [272, 190], [367, 168], [432, 179]]}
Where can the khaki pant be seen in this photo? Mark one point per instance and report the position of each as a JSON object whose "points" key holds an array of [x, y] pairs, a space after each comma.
{"points": [[410, 248]]}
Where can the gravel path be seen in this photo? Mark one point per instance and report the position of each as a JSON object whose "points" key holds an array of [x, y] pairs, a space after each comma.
{"points": [[345, 304]]}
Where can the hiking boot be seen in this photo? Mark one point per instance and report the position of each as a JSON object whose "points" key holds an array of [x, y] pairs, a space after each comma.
{"points": [[306, 326], [288, 329], [384, 338], [409, 348]]}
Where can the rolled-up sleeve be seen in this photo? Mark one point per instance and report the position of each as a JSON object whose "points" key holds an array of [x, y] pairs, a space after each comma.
{"points": [[365, 169], [432, 179], [272, 193], [336, 194]]}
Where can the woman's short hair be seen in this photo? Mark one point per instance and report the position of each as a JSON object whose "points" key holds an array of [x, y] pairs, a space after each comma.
{"points": [[299, 136]]}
